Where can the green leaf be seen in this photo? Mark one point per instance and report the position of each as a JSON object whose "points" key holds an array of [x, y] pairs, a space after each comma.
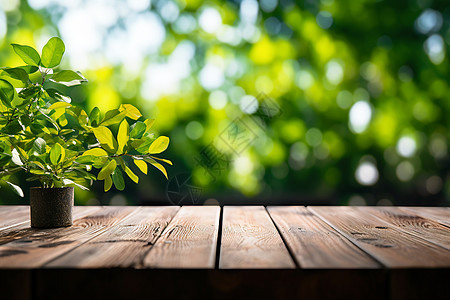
{"points": [[28, 54], [142, 165], [17, 73], [12, 128], [98, 152], [59, 105], [71, 182], [162, 159], [149, 123], [118, 180], [108, 183], [94, 116], [15, 188], [137, 130], [130, 174], [107, 170], [15, 157], [29, 69], [67, 76], [57, 95], [6, 92], [39, 145], [143, 146], [105, 138], [123, 136], [157, 165], [36, 163], [112, 117], [52, 52], [131, 111], [159, 145], [57, 154]]}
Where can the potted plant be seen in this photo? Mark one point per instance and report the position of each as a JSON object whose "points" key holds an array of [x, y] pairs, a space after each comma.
{"points": [[59, 144]]}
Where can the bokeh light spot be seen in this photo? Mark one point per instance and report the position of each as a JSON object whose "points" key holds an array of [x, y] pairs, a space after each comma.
{"points": [[406, 146], [366, 173], [194, 130], [324, 19], [405, 171], [314, 137], [360, 115]]}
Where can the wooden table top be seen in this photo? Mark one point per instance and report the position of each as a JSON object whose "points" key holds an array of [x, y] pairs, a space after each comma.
{"points": [[232, 237]]}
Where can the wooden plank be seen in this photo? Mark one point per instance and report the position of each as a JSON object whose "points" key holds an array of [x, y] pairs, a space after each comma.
{"points": [[189, 241], [123, 245], [314, 244], [391, 246], [23, 229], [13, 215], [421, 227], [43, 245], [438, 214], [250, 240]]}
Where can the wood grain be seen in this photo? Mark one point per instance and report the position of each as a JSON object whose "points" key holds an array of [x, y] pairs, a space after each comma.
{"points": [[42, 245], [438, 214], [23, 229], [421, 227], [189, 241], [250, 240], [393, 247], [122, 245], [13, 215], [314, 244]]}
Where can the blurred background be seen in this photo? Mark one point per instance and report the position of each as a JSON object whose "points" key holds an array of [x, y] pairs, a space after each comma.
{"points": [[265, 102]]}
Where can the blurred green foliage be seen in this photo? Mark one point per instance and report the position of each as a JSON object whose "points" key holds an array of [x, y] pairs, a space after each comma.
{"points": [[362, 88]]}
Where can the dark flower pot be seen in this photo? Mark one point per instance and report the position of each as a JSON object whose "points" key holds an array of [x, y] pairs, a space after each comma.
{"points": [[51, 207]]}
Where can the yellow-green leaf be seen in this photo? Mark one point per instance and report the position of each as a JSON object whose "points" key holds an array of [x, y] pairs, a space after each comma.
{"points": [[57, 154], [131, 111], [58, 105], [142, 165], [159, 145], [95, 152], [157, 165], [130, 174], [105, 138], [149, 124], [52, 52], [163, 160], [108, 183], [107, 170], [123, 136]]}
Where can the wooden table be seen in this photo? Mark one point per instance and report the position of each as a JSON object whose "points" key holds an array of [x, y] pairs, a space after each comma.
{"points": [[237, 252]]}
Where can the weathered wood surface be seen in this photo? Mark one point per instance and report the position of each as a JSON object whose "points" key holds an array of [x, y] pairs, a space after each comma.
{"points": [[250, 237], [175, 253], [23, 229], [13, 215], [438, 214], [251, 241], [122, 245], [393, 247], [189, 241], [314, 244], [39, 246], [409, 222]]}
